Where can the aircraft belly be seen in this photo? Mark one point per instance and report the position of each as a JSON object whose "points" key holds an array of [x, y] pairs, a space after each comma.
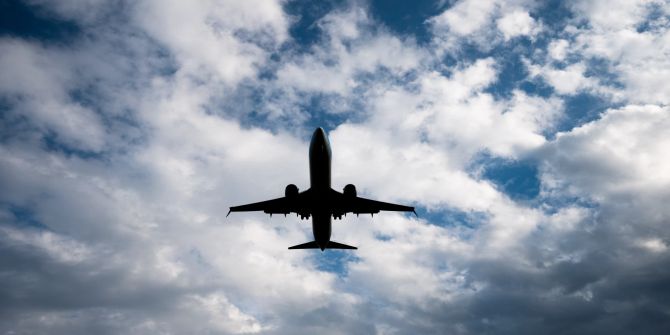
{"points": [[321, 227], [320, 172]]}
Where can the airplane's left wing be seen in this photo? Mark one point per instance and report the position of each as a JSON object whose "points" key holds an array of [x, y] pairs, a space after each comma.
{"points": [[282, 205]]}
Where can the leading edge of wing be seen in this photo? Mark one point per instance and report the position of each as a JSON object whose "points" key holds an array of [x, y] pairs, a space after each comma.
{"points": [[274, 206], [281, 205]]}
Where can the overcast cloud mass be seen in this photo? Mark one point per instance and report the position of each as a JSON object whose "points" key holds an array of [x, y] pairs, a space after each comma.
{"points": [[531, 135]]}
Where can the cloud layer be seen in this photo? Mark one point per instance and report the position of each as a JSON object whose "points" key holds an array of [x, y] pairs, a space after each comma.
{"points": [[125, 141]]}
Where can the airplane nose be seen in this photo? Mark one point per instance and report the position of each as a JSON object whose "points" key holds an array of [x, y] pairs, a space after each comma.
{"points": [[319, 148], [319, 134]]}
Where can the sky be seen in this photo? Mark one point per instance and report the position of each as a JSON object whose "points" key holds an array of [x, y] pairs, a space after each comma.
{"points": [[531, 136]]}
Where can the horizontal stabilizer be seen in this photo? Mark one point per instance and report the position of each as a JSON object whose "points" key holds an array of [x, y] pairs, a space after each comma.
{"points": [[335, 245], [331, 245], [308, 245]]}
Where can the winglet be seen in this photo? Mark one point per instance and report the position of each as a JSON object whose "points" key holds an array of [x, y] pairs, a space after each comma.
{"points": [[230, 210], [414, 211]]}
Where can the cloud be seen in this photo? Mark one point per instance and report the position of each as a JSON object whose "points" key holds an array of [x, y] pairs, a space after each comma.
{"points": [[569, 80], [517, 23], [455, 111], [37, 81], [558, 49], [350, 49], [466, 17], [620, 153], [626, 41], [485, 24], [207, 41]]}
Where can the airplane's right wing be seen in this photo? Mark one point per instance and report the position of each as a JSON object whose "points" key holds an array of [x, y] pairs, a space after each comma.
{"points": [[358, 205], [363, 206]]}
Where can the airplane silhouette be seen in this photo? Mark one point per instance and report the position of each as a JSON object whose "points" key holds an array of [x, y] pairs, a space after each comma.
{"points": [[320, 200]]}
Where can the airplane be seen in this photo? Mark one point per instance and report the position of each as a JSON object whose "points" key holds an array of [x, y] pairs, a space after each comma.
{"points": [[320, 201]]}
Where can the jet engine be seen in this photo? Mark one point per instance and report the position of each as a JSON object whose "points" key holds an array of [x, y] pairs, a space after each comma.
{"points": [[291, 191], [350, 191]]}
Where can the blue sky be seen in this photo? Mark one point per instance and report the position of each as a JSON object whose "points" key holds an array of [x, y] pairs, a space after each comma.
{"points": [[530, 135]]}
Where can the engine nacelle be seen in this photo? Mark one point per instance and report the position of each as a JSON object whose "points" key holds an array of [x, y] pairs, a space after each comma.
{"points": [[291, 191], [350, 191]]}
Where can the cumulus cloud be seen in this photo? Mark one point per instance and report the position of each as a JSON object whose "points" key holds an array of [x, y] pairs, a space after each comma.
{"points": [[349, 50], [569, 80], [517, 23], [206, 40], [628, 39], [484, 23], [38, 81], [620, 153], [558, 49], [466, 17]]}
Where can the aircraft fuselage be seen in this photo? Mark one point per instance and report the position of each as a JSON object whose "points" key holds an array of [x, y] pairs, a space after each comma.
{"points": [[319, 177]]}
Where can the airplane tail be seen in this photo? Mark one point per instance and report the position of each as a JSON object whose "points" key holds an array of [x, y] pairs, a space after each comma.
{"points": [[331, 245], [335, 245], [308, 245]]}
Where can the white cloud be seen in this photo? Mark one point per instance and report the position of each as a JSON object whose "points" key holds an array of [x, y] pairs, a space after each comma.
{"points": [[569, 80], [608, 15], [233, 320], [484, 23], [558, 49], [38, 80], [615, 38], [203, 36], [466, 17], [621, 153], [517, 23], [567, 219], [653, 245], [349, 50], [457, 113], [636, 57], [60, 248]]}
